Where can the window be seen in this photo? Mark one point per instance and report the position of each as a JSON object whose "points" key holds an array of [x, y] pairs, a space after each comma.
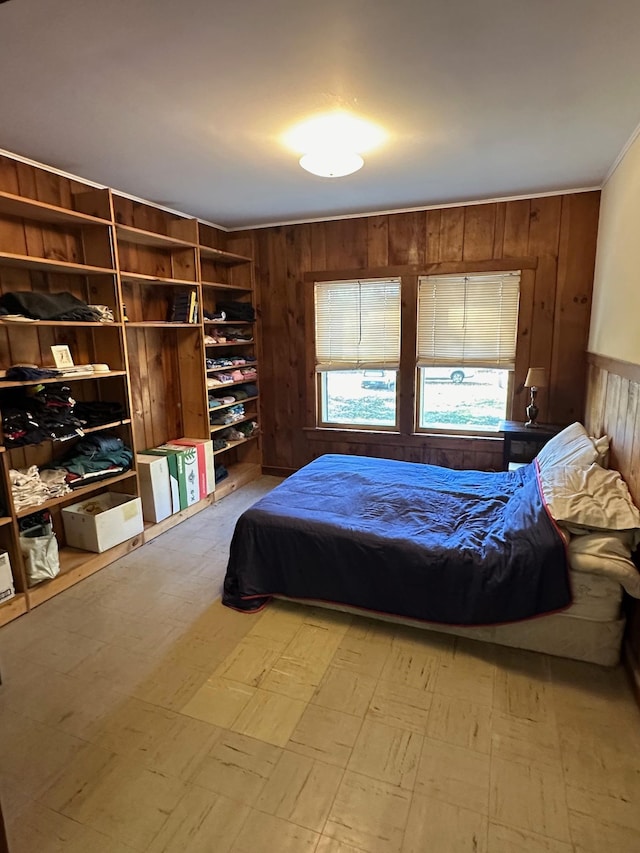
{"points": [[458, 336], [357, 326], [466, 346]]}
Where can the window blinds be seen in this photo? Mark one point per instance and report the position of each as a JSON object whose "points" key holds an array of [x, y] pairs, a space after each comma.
{"points": [[357, 324], [470, 320]]}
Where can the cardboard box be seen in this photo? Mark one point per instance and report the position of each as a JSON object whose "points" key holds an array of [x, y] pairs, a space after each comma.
{"points": [[176, 475], [99, 523], [187, 474], [7, 590], [155, 487], [206, 468]]}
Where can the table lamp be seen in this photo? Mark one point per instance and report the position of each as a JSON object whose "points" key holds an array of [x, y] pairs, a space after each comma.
{"points": [[536, 378]]}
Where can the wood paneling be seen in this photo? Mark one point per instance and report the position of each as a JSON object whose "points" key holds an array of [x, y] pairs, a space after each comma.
{"points": [[553, 238], [613, 407]]}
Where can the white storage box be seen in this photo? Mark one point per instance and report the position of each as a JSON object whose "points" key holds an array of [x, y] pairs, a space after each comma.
{"points": [[99, 523], [155, 487], [7, 590]]}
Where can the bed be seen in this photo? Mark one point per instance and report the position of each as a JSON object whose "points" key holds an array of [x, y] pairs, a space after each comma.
{"points": [[519, 558]]}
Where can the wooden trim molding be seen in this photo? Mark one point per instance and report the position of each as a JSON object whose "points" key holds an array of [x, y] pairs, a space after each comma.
{"points": [[625, 369], [446, 268]]}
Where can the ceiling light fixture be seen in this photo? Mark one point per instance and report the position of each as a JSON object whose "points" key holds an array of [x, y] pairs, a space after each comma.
{"points": [[332, 164], [332, 145]]}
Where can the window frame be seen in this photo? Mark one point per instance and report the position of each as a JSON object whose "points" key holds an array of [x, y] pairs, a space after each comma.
{"points": [[407, 388]]}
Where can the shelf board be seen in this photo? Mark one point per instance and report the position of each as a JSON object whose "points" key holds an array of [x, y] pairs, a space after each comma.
{"points": [[220, 427], [111, 425], [229, 322], [5, 519], [159, 324], [30, 208], [86, 431], [232, 344], [65, 323], [222, 257], [229, 384], [139, 278], [236, 443], [12, 608], [8, 259], [235, 403], [129, 234], [239, 475], [79, 377], [76, 565], [75, 494], [219, 285]]}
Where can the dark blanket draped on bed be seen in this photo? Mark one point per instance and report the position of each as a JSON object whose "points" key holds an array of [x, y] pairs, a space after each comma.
{"points": [[457, 547]]}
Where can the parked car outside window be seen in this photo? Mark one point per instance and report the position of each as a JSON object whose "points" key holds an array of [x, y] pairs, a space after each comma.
{"points": [[446, 374], [378, 379]]}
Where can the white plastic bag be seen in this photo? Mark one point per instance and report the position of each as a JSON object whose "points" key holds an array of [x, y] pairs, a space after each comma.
{"points": [[41, 557]]}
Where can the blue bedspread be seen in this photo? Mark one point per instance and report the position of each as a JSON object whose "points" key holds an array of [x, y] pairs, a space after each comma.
{"points": [[456, 547]]}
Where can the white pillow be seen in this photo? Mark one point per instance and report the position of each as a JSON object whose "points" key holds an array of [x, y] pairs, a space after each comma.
{"points": [[572, 446], [606, 554], [589, 497]]}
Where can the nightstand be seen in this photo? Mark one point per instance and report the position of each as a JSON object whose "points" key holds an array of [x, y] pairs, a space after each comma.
{"points": [[522, 443]]}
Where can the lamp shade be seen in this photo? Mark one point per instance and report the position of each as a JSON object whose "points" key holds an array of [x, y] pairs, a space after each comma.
{"points": [[536, 378]]}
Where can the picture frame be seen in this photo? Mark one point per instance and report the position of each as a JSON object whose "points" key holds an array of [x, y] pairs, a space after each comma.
{"points": [[62, 356]]}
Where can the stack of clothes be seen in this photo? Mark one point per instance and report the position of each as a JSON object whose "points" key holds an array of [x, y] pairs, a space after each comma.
{"points": [[50, 306], [39, 413], [95, 457], [227, 416], [31, 487], [235, 310]]}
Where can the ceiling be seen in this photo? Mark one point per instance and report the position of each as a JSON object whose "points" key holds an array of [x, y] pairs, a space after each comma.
{"points": [[184, 101]]}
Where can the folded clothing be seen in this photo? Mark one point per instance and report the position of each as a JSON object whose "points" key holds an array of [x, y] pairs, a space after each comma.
{"points": [[27, 373], [31, 487], [96, 412], [236, 310], [39, 413], [94, 456], [47, 306]]}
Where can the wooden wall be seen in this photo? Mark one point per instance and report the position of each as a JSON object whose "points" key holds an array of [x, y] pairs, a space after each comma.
{"points": [[557, 234], [613, 407]]}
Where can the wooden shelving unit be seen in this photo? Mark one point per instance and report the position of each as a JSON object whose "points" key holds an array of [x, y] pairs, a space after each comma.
{"points": [[135, 258]]}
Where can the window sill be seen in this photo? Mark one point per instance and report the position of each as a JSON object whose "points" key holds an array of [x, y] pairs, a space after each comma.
{"points": [[416, 439]]}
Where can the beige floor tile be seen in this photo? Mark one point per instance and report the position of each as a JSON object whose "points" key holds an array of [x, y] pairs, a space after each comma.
{"points": [[400, 706], [332, 845], [178, 752], [269, 717], [130, 728], [60, 650], [529, 798], [123, 668], [531, 742], [251, 660], [460, 723], [263, 833], [237, 767], [505, 839], [295, 677], [300, 790], [596, 835], [342, 690], [386, 753], [368, 814], [595, 761], [116, 796], [206, 653], [202, 822], [326, 735], [362, 656], [431, 642], [467, 678], [454, 775], [621, 810], [219, 701], [170, 685], [280, 621], [372, 630], [32, 754], [523, 687], [438, 826], [410, 666], [45, 831], [315, 642]]}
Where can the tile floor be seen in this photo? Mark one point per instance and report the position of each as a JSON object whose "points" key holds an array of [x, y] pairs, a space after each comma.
{"points": [[138, 714]]}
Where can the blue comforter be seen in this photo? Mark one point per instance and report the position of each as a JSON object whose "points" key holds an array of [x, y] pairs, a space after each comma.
{"points": [[429, 543]]}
